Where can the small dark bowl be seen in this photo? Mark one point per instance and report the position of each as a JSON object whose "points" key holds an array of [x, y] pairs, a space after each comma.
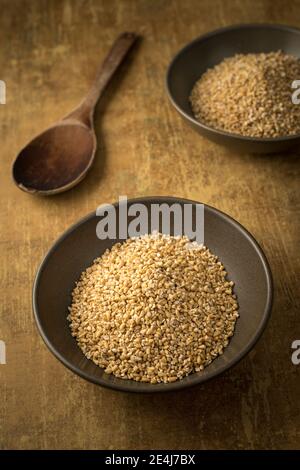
{"points": [[209, 50], [76, 249]]}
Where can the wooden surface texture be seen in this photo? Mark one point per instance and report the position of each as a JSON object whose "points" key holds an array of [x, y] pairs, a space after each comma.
{"points": [[49, 53]]}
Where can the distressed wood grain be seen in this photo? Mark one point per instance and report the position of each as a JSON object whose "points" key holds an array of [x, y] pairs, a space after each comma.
{"points": [[48, 57]]}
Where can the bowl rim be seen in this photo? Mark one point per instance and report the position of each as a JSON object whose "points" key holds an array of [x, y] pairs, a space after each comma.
{"points": [[195, 378], [216, 32]]}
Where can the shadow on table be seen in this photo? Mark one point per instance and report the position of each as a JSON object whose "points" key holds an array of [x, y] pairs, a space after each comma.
{"points": [[192, 418]]}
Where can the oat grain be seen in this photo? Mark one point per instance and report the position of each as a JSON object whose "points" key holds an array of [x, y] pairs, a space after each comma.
{"points": [[250, 95], [153, 309]]}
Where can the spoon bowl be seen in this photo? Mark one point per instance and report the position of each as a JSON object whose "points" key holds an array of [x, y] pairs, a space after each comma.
{"points": [[57, 159]]}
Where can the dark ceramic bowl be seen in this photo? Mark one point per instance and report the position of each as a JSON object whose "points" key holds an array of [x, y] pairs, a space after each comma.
{"points": [[209, 50], [76, 249]]}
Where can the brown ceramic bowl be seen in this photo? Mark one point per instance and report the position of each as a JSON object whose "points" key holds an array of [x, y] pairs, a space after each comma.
{"points": [[209, 50], [76, 249]]}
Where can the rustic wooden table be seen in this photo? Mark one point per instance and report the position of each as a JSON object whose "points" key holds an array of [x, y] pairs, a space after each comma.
{"points": [[49, 53]]}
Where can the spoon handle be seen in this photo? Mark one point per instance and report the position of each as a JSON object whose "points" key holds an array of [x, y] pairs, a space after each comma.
{"points": [[120, 48]]}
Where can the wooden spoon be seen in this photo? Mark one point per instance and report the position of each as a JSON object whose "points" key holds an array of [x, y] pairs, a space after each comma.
{"points": [[61, 156]]}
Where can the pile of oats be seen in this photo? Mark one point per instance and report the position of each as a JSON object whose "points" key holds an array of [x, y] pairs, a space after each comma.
{"points": [[154, 309], [249, 95]]}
